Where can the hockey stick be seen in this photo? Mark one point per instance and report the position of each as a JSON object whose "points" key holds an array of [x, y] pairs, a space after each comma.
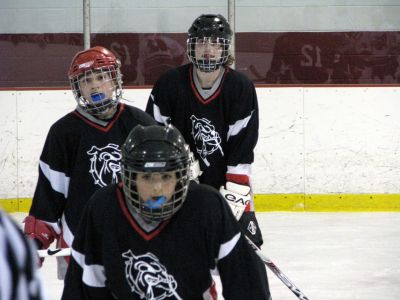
{"points": [[277, 272], [54, 252]]}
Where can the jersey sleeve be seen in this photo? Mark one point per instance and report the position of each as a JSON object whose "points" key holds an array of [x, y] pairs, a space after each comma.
{"points": [[54, 177], [159, 103], [86, 277], [242, 134], [243, 276]]}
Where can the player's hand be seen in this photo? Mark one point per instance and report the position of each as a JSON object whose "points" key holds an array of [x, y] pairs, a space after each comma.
{"points": [[41, 233], [238, 197], [39, 230]]}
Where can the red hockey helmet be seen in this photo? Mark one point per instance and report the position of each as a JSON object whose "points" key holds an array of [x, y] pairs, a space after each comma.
{"points": [[93, 58], [101, 63]]}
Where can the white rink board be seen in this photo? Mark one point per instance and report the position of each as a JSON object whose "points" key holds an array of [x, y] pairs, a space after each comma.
{"points": [[311, 140], [8, 145], [279, 159], [37, 111], [352, 143]]}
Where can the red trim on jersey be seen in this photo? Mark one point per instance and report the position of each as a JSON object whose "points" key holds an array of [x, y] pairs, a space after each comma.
{"points": [[196, 92], [132, 221], [99, 127], [238, 178]]}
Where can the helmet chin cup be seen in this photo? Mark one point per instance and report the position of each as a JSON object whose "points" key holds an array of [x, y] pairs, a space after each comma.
{"points": [[207, 66]]}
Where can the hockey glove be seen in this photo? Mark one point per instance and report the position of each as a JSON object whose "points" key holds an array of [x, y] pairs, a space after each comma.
{"points": [[238, 197], [42, 233]]}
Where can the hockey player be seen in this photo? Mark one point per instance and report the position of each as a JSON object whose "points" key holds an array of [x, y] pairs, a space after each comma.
{"points": [[82, 149], [158, 235], [216, 110]]}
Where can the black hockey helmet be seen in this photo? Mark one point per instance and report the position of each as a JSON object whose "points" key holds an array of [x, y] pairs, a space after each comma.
{"points": [[215, 27], [155, 149], [210, 25]]}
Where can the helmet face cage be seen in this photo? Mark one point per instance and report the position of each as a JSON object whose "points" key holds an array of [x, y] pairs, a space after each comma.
{"points": [[213, 30], [155, 150], [169, 208], [208, 64], [108, 95]]}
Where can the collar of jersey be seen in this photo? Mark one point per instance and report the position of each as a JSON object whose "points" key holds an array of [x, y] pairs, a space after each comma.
{"points": [[196, 92], [99, 124], [145, 235]]}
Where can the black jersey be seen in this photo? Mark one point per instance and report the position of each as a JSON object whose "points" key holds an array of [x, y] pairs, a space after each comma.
{"points": [[114, 258], [81, 154], [222, 128]]}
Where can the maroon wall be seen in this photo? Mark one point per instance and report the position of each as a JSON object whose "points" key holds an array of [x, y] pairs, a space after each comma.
{"points": [[42, 60]]}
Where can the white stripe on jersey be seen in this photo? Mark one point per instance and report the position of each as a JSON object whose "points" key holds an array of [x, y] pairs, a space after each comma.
{"points": [[238, 126], [54, 225], [21, 264], [157, 114], [242, 169], [67, 233], [58, 180], [227, 247], [92, 275]]}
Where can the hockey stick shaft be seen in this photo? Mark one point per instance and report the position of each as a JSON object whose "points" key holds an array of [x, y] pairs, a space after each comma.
{"points": [[54, 252], [278, 272]]}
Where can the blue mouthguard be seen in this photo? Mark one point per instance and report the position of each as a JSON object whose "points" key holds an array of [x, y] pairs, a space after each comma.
{"points": [[155, 204], [97, 96]]}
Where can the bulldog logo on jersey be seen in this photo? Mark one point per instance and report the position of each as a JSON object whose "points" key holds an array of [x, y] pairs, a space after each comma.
{"points": [[105, 164], [206, 137], [148, 278]]}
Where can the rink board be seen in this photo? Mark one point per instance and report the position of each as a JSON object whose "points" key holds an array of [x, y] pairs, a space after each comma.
{"points": [[319, 148]]}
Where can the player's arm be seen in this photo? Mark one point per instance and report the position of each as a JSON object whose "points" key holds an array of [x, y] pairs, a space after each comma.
{"points": [[80, 287], [51, 192], [86, 277], [241, 140], [158, 104], [242, 274]]}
